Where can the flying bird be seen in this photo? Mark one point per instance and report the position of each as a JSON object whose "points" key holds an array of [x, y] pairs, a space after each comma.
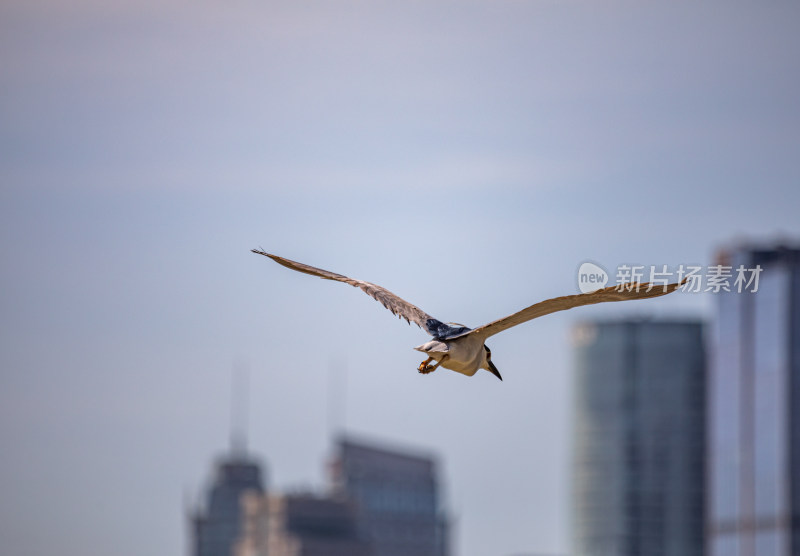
{"points": [[462, 349]]}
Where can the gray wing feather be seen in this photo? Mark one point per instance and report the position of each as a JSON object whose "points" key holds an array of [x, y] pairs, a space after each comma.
{"points": [[613, 293], [395, 304]]}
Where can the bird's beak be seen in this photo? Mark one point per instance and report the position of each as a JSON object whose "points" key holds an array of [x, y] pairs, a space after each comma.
{"points": [[493, 370]]}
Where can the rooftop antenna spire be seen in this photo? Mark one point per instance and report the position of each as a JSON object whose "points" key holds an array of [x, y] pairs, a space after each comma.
{"points": [[239, 409]]}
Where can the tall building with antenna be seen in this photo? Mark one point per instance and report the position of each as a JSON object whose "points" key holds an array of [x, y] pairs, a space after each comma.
{"points": [[215, 525]]}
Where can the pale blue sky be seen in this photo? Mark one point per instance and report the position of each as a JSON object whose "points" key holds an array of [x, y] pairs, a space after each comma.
{"points": [[468, 156]]}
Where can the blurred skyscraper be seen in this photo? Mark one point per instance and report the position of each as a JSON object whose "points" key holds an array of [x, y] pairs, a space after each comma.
{"points": [[217, 525], [754, 410], [639, 439], [396, 499]]}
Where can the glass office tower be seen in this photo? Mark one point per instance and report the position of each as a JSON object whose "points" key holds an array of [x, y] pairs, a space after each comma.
{"points": [[754, 409], [639, 439], [396, 495]]}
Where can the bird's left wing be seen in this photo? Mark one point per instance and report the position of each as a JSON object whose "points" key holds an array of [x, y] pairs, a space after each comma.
{"points": [[395, 304], [625, 292]]}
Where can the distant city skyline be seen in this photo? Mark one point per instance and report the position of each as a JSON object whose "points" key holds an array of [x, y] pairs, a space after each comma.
{"points": [[379, 501]]}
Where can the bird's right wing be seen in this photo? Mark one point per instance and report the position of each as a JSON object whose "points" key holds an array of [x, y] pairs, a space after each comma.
{"points": [[625, 292], [395, 304]]}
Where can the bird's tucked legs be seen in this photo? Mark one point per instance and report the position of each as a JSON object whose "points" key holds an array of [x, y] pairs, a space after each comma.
{"points": [[425, 368]]}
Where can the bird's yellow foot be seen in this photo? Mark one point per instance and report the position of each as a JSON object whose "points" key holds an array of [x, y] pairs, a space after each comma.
{"points": [[423, 367]]}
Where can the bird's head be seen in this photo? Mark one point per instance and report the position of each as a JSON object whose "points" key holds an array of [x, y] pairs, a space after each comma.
{"points": [[487, 362]]}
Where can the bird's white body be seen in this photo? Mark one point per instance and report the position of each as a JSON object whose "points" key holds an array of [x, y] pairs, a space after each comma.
{"points": [[463, 355]]}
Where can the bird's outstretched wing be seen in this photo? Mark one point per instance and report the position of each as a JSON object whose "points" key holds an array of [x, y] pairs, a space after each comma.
{"points": [[625, 292], [395, 304]]}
